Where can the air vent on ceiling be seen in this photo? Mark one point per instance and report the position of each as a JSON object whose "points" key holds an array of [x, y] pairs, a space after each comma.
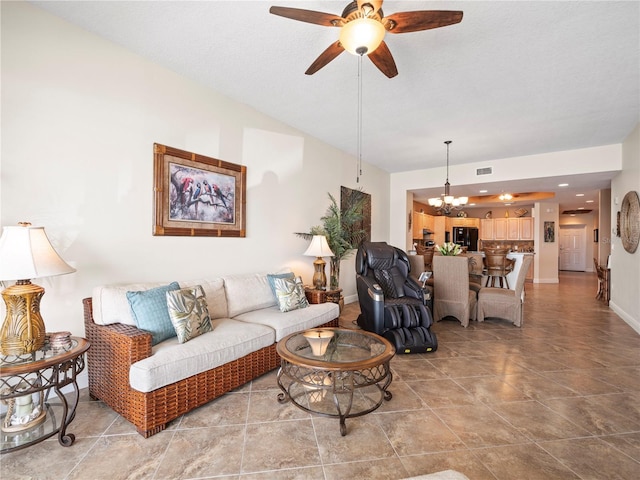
{"points": [[575, 212], [484, 171]]}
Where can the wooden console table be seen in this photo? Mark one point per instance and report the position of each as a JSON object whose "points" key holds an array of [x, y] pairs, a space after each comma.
{"points": [[604, 284]]}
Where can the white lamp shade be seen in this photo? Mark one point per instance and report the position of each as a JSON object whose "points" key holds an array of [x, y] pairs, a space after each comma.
{"points": [[319, 247], [26, 253], [362, 32]]}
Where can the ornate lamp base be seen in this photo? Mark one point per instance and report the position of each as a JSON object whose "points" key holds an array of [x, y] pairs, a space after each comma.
{"points": [[319, 277], [23, 329]]}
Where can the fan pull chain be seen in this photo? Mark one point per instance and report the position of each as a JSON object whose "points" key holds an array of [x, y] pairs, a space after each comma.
{"points": [[359, 159]]}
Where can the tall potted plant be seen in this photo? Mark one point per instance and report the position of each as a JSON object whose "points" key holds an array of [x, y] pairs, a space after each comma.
{"points": [[339, 226]]}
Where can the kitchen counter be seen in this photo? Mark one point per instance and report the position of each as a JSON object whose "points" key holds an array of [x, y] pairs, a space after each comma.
{"points": [[513, 276]]}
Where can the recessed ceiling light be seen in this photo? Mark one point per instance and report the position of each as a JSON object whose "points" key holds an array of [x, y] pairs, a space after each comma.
{"points": [[483, 191], [580, 208], [472, 204], [507, 204], [589, 201], [563, 184], [579, 194]]}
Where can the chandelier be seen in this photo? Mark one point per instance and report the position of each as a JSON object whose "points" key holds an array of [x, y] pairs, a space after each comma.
{"points": [[447, 203], [505, 197]]}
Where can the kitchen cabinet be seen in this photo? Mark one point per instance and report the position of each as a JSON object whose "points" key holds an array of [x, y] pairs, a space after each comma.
{"points": [[465, 222], [529, 277], [439, 227], [526, 229], [513, 228], [421, 222], [506, 228], [428, 222], [486, 229], [417, 224], [499, 228]]}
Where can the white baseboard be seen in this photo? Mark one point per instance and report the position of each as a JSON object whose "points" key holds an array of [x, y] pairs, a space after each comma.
{"points": [[351, 299], [632, 322]]}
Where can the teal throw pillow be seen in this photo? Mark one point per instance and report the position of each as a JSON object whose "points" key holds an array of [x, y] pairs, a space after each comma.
{"points": [[271, 278], [149, 310], [188, 312], [290, 294]]}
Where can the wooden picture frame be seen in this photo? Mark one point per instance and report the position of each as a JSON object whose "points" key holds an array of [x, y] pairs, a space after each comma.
{"points": [[197, 196], [348, 197], [549, 232]]}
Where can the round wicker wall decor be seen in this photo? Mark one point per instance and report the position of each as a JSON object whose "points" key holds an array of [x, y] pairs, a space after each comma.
{"points": [[630, 221]]}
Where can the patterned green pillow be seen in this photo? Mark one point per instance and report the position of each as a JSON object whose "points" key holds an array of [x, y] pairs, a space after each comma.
{"points": [[290, 294], [271, 277], [189, 313]]}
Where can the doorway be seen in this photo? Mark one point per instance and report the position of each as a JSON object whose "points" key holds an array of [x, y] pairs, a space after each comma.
{"points": [[573, 247]]}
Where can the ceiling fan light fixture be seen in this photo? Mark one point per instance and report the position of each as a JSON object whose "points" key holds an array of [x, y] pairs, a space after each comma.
{"points": [[362, 36]]}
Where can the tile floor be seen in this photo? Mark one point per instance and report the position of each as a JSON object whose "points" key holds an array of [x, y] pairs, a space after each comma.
{"points": [[558, 398]]}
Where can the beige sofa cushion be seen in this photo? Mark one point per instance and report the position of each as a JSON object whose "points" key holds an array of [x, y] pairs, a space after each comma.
{"points": [[110, 304], [215, 295], [172, 361], [284, 323], [248, 292]]}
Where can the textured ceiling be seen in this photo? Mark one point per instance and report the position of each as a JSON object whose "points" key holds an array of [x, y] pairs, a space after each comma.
{"points": [[514, 78]]}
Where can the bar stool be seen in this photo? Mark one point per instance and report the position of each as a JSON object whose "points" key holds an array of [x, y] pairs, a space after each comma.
{"points": [[497, 266]]}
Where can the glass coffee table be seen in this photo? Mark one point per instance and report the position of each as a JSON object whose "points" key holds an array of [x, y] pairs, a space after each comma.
{"points": [[349, 379]]}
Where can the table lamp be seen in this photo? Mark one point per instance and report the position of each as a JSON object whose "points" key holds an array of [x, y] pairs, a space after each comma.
{"points": [[319, 248], [25, 253]]}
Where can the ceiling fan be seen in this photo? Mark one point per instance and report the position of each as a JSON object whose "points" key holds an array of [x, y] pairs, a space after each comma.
{"points": [[363, 26]]}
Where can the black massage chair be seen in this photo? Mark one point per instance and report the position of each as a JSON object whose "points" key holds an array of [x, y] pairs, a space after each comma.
{"points": [[391, 302]]}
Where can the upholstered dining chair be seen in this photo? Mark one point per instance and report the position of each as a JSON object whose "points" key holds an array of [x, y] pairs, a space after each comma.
{"points": [[428, 259], [504, 303], [416, 262], [452, 296]]}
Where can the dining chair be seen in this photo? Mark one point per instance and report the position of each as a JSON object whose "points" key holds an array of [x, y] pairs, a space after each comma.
{"points": [[476, 271], [504, 303], [416, 263], [428, 259], [452, 296], [497, 266]]}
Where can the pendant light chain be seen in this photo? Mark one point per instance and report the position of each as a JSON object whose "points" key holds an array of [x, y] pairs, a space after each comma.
{"points": [[359, 146]]}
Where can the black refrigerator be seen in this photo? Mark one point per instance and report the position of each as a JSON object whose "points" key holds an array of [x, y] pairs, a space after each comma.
{"points": [[466, 237]]}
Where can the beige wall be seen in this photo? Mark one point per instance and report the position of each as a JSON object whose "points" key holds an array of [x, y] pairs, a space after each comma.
{"points": [[79, 119], [625, 266]]}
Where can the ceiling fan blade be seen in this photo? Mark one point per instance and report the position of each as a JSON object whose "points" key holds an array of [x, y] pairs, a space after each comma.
{"points": [[309, 16], [403, 22], [325, 57], [382, 58]]}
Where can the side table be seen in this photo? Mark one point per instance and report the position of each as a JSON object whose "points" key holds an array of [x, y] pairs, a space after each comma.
{"points": [[28, 379], [323, 296]]}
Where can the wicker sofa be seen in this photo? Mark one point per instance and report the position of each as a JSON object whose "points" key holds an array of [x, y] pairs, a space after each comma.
{"points": [[152, 385]]}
